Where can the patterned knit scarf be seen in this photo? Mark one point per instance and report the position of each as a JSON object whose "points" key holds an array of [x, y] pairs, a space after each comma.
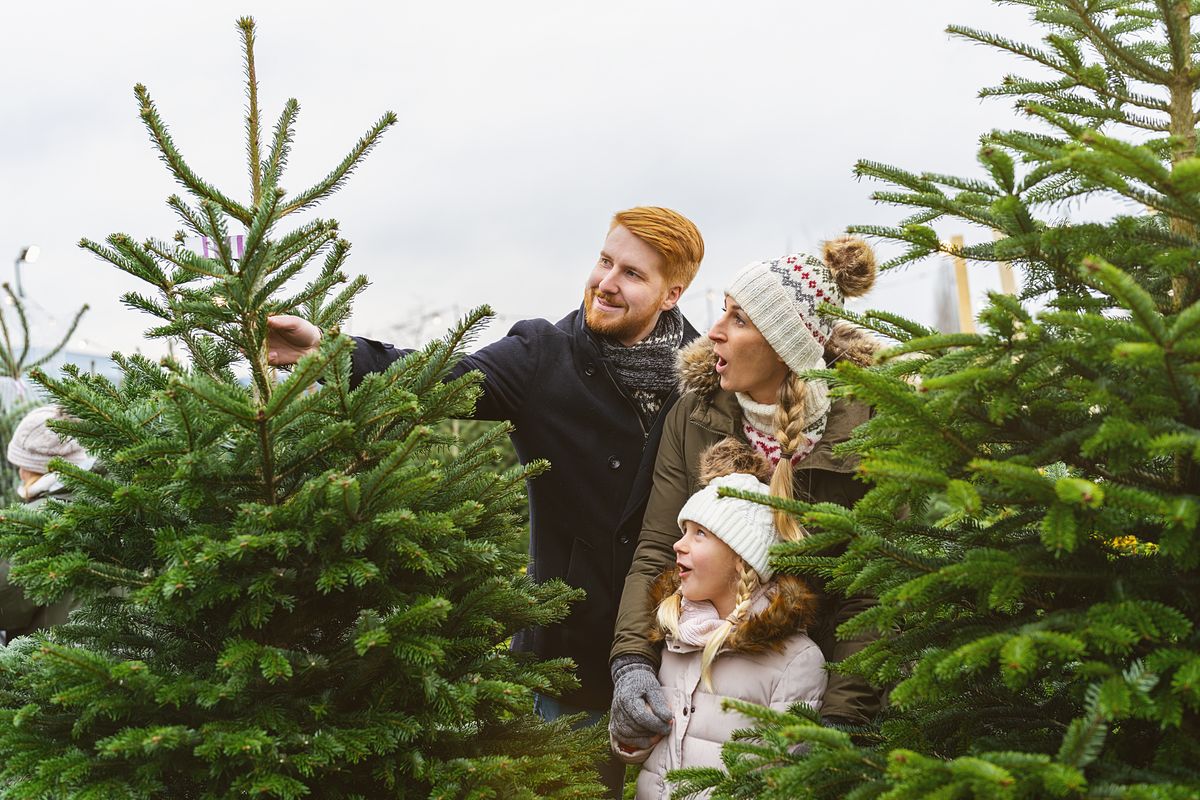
{"points": [[758, 418], [647, 369]]}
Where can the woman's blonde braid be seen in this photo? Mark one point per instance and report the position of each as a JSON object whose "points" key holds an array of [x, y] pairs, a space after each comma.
{"points": [[789, 424]]}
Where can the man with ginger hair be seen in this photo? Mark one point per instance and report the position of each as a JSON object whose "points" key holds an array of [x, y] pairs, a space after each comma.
{"points": [[588, 394]]}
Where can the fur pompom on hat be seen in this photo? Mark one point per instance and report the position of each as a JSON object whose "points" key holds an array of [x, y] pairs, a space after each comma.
{"points": [[728, 456], [747, 527], [33, 444], [782, 296]]}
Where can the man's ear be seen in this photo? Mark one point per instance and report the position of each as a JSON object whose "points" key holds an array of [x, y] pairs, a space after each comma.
{"points": [[671, 299]]}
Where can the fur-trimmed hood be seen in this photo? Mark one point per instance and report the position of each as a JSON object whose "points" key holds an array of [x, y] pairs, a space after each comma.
{"points": [[791, 609], [697, 364]]}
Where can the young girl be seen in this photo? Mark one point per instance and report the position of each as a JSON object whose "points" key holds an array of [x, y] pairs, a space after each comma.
{"points": [[732, 629]]}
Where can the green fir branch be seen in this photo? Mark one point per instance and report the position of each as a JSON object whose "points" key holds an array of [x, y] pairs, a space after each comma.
{"points": [[170, 156], [253, 121], [281, 142], [336, 178]]}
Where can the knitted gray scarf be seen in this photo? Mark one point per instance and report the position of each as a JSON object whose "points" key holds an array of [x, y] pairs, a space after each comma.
{"points": [[647, 369]]}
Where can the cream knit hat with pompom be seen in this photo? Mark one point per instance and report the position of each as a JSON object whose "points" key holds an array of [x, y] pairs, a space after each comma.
{"points": [[747, 527]]}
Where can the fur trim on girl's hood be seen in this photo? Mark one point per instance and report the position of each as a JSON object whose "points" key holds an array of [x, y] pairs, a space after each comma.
{"points": [[791, 609], [697, 364]]}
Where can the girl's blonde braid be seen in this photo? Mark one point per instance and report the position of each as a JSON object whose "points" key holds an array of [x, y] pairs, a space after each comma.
{"points": [[789, 424], [748, 584], [669, 612]]}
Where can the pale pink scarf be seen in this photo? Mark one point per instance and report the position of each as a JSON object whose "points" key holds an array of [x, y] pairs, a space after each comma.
{"points": [[698, 621]]}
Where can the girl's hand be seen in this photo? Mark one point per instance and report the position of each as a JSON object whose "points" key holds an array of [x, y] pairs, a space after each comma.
{"points": [[628, 748]]}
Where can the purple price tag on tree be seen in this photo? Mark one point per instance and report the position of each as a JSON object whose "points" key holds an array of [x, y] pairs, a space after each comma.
{"points": [[207, 247]]}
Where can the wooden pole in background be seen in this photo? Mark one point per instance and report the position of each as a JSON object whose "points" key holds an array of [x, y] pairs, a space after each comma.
{"points": [[1008, 282], [966, 320]]}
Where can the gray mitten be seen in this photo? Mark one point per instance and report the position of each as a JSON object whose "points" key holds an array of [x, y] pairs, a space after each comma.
{"points": [[639, 708]]}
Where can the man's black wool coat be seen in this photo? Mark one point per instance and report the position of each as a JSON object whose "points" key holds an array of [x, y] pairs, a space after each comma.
{"points": [[552, 382]]}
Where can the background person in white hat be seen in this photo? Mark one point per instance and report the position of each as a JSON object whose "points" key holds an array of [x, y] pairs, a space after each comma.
{"points": [[31, 448]]}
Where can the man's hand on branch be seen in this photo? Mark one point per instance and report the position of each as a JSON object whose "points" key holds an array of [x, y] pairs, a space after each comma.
{"points": [[290, 338]]}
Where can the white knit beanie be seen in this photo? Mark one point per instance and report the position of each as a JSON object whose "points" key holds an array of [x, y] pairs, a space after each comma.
{"points": [[781, 297], [747, 527], [33, 444]]}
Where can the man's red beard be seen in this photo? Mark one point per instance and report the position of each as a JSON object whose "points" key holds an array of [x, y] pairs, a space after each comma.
{"points": [[617, 326]]}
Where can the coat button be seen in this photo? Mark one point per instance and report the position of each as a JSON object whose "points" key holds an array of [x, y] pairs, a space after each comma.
{"points": [[685, 711], [614, 462], [624, 540], [589, 370]]}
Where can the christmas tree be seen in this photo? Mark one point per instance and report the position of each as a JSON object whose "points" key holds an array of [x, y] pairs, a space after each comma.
{"points": [[289, 589], [1030, 532]]}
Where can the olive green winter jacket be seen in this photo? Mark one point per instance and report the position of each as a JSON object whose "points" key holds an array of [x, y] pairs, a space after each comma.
{"points": [[703, 416]]}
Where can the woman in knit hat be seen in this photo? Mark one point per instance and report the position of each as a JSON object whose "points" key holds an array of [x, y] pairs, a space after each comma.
{"points": [[731, 630], [745, 384], [31, 448]]}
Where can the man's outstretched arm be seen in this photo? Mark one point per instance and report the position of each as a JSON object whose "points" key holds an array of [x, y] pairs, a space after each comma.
{"points": [[509, 366], [291, 338]]}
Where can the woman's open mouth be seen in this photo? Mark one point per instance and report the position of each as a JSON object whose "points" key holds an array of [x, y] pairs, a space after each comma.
{"points": [[721, 364]]}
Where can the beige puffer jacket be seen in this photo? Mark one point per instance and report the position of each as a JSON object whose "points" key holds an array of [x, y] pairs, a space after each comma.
{"points": [[766, 660]]}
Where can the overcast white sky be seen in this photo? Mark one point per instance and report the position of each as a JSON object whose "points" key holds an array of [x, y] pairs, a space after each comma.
{"points": [[522, 126]]}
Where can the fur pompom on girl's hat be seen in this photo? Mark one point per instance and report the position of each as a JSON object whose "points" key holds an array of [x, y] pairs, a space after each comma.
{"points": [[730, 455], [782, 296], [747, 527]]}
